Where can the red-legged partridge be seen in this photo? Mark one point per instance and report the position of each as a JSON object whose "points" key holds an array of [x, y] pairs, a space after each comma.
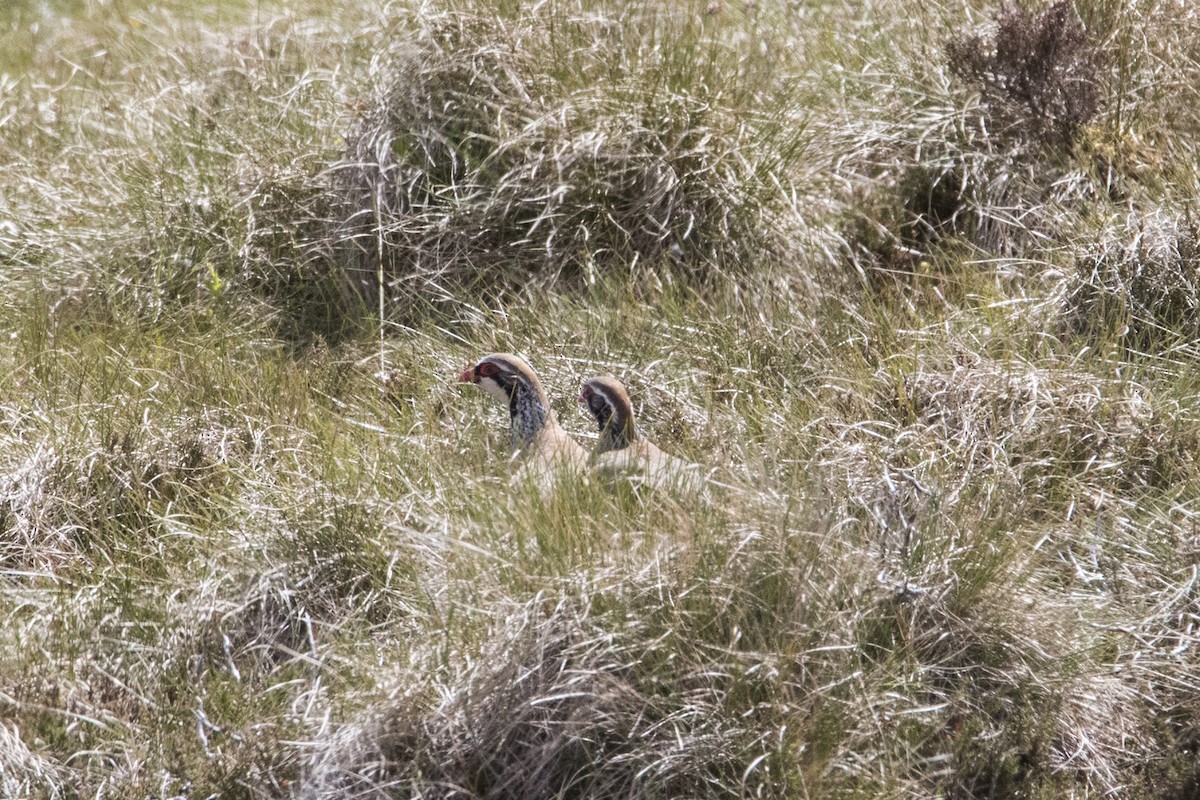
{"points": [[622, 451], [544, 446]]}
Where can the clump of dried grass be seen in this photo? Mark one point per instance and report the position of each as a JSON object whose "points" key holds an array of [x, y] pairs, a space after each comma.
{"points": [[24, 772], [1047, 422], [482, 164], [561, 700], [71, 496], [1049, 434], [34, 540], [1138, 281], [979, 676], [956, 175], [967, 488]]}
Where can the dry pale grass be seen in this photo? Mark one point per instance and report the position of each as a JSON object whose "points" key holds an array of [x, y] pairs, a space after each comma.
{"points": [[486, 161], [24, 773], [551, 705], [255, 546], [1137, 280]]}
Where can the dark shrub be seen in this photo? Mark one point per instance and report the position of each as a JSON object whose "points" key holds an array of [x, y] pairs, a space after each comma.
{"points": [[1038, 74], [895, 227]]}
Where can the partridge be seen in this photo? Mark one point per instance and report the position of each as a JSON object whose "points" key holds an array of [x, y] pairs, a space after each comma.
{"points": [[543, 445], [621, 449]]}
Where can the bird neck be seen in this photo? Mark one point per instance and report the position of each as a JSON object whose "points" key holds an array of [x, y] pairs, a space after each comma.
{"points": [[528, 415], [616, 432]]}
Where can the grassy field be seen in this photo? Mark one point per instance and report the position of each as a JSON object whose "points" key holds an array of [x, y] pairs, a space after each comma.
{"points": [[919, 291]]}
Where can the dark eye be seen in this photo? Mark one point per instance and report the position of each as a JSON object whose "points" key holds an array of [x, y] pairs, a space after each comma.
{"points": [[488, 370]]}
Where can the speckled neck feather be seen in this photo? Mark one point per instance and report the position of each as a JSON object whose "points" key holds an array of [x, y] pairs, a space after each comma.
{"points": [[527, 412]]}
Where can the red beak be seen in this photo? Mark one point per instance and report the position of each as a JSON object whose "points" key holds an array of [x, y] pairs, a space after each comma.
{"points": [[468, 375]]}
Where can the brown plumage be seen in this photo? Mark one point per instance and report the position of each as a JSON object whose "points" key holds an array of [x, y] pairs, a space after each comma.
{"points": [[622, 450], [544, 446]]}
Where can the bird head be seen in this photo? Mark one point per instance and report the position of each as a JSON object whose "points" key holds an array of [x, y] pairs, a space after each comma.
{"points": [[501, 375], [607, 401], [512, 381]]}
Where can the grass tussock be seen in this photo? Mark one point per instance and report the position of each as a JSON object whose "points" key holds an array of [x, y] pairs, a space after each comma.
{"points": [[1137, 282], [517, 150], [555, 704], [1026, 417]]}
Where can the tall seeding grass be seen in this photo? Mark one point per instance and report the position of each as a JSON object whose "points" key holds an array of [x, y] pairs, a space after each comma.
{"points": [[915, 289]]}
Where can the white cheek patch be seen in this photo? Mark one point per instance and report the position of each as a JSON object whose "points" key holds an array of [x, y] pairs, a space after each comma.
{"points": [[490, 386]]}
